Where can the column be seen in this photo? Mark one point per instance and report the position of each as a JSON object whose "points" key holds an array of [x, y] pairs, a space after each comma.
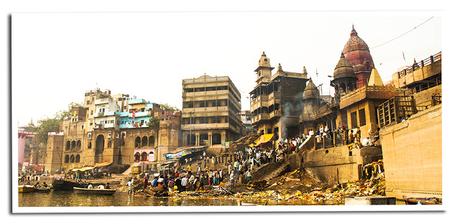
{"points": [[184, 139], [197, 139], [209, 138], [222, 137]]}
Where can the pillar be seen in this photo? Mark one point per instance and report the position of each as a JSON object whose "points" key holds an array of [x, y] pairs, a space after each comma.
{"points": [[197, 139], [184, 139], [222, 137], [209, 138]]}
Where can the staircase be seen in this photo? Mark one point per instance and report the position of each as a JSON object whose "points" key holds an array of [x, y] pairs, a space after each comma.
{"points": [[269, 171]]}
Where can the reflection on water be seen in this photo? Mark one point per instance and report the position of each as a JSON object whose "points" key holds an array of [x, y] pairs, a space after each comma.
{"points": [[63, 198]]}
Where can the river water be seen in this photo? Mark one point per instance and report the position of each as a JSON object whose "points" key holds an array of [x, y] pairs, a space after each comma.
{"points": [[70, 199]]}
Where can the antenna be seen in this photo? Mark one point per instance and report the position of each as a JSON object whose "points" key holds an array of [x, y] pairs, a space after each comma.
{"points": [[320, 86]]}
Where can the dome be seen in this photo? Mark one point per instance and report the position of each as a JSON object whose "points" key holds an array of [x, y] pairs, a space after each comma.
{"points": [[357, 53], [310, 91], [343, 69]]}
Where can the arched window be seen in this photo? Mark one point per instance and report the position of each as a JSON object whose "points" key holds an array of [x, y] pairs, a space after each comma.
{"points": [[72, 158], [144, 156], [89, 145], [137, 157], [137, 142], [72, 145], [151, 156], [77, 159], [67, 145], [144, 141], [151, 140], [66, 160], [78, 144]]}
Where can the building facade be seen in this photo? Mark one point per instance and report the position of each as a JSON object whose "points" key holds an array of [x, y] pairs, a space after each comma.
{"points": [[211, 107], [112, 130], [276, 101]]}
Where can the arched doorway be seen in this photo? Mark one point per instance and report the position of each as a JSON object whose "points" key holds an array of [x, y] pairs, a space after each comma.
{"points": [[137, 157], [99, 148], [144, 156]]}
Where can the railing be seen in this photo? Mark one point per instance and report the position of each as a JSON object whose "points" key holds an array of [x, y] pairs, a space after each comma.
{"points": [[427, 61], [395, 110]]}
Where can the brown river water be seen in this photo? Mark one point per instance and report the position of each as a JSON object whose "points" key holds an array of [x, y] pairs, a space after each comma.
{"points": [[70, 199]]}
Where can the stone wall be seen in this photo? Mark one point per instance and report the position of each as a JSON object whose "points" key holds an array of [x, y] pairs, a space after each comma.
{"points": [[412, 155], [334, 165], [424, 98]]}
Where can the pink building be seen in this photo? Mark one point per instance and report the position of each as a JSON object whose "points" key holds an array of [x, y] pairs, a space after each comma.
{"points": [[24, 141]]}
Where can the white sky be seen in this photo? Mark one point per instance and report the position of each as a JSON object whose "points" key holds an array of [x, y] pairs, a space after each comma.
{"points": [[57, 57]]}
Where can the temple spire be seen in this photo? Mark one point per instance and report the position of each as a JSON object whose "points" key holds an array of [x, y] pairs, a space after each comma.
{"points": [[353, 31]]}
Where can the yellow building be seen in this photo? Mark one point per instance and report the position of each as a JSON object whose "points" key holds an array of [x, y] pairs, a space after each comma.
{"points": [[412, 138], [211, 107]]}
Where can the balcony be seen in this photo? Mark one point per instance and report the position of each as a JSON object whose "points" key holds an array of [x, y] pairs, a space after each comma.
{"points": [[259, 117], [186, 111], [102, 126], [204, 126], [102, 101], [276, 113], [367, 92], [260, 101], [421, 70], [105, 114], [205, 93]]}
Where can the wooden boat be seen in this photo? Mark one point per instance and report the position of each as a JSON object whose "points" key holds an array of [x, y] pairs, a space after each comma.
{"points": [[67, 185], [42, 189], [26, 188], [82, 190]]}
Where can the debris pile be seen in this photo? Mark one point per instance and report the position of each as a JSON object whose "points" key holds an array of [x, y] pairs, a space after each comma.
{"points": [[292, 189]]}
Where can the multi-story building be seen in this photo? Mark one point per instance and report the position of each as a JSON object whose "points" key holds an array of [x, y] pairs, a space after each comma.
{"points": [[211, 107], [112, 130], [276, 101], [246, 119]]}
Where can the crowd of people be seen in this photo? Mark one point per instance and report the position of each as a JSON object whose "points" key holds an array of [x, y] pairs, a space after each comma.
{"points": [[204, 171]]}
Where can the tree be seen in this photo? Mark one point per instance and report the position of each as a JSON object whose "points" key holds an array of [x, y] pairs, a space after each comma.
{"points": [[47, 125]]}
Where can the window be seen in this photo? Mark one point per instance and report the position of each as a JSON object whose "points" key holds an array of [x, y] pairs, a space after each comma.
{"points": [[362, 117], [354, 120]]}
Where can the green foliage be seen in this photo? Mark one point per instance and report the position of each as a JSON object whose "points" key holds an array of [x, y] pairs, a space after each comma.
{"points": [[167, 107], [154, 122], [47, 125]]}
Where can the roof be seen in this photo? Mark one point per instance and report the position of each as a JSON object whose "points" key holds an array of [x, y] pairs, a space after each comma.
{"points": [[310, 90], [357, 53], [375, 79], [343, 69]]}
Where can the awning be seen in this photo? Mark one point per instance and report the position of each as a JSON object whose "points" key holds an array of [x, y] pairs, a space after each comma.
{"points": [[97, 165], [83, 169], [262, 139]]}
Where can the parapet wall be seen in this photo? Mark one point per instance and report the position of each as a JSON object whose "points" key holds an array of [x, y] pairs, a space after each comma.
{"points": [[412, 152], [334, 165]]}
